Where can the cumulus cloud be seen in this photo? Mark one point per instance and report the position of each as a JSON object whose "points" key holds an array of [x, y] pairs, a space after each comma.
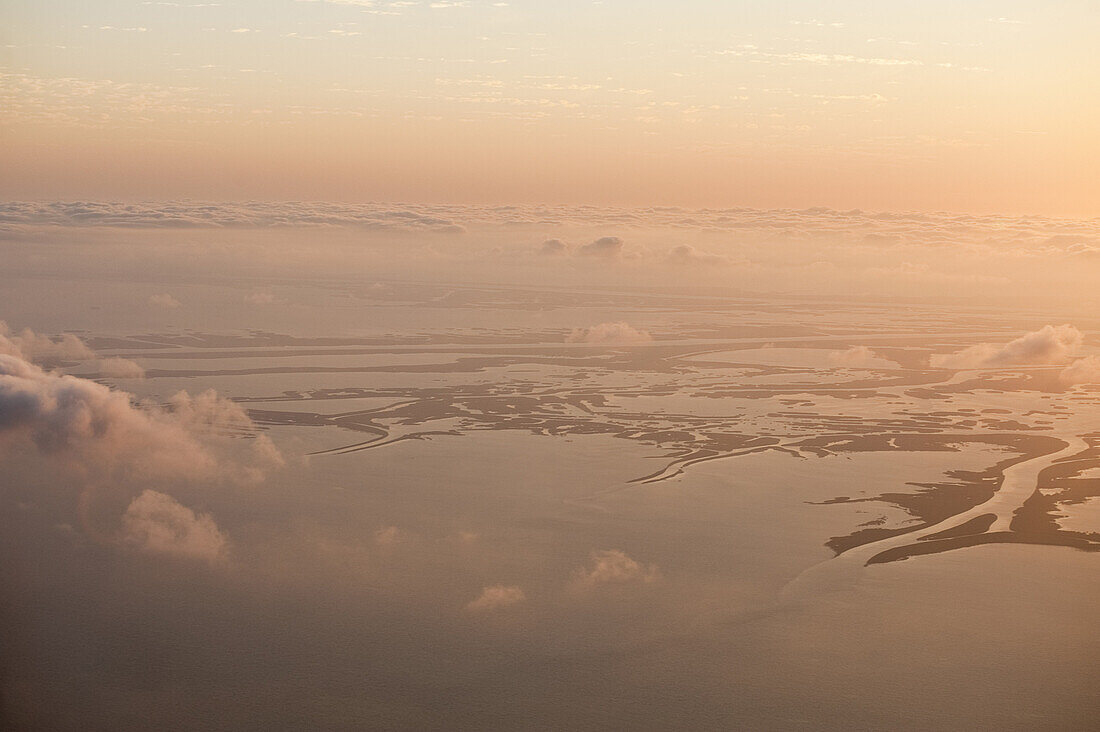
{"points": [[87, 426], [1082, 371], [496, 597], [609, 334], [120, 368], [859, 357], [164, 300], [37, 347], [1048, 345], [156, 523], [685, 254], [553, 248], [612, 566], [607, 247]]}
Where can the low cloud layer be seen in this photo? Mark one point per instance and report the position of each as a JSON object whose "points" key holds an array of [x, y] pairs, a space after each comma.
{"points": [[821, 251], [254, 214], [1048, 345]]}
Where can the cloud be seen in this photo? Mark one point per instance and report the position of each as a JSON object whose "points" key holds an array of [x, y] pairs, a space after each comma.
{"points": [[36, 347], [609, 334], [607, 247], [859, 357], [685, 254], [156, 523], [612, 566], [164, 300], [1082, 371], [254, 214], [1048, 345], [100, 434], [120, 368], [553, 247], [387, 536], [496, 597], [259, 298]]}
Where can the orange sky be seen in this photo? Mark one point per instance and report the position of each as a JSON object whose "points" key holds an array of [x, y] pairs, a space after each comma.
{"points": [[877, 105]]}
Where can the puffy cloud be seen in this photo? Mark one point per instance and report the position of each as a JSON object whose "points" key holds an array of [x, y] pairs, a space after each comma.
{"points": [[553, 248], [609, 334], [496, 597], [88, 427], [164, 300], [685, 254], [607, 247], [1082, 371], [156, 523], [612, 566], [1048, 345], [37, 347], [120, 368], [859, 357]]}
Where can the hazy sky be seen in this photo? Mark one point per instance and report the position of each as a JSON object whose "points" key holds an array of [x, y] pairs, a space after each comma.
{"points": [[980, 105]]}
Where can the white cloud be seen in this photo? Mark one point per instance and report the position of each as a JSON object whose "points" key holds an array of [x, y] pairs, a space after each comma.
{"points": [[37, 347], [120, 368], [99, 433], [685, 254], [609, 334], [859, 357], [553, 247], [1082, 371], [496, 597], [1048, 345], [612, 566], [164, 300], [156, 523], [607, 247]]}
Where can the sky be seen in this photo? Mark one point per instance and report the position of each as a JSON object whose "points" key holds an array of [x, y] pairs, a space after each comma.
{"points": [[984, 106]]}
